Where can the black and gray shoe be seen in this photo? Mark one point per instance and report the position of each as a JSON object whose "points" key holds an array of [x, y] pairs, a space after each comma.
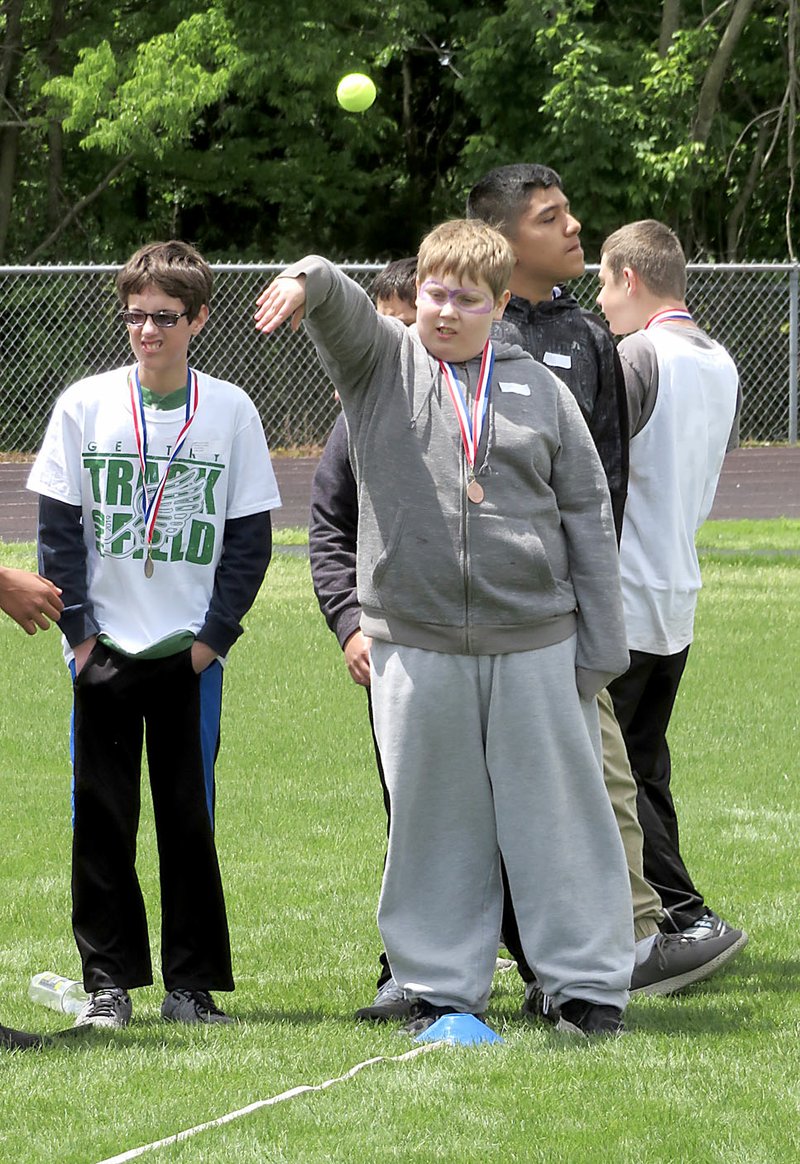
{"points": [[711, 925], [390, 1003], [589, 1019], [109, 1007], [678, 960], [539, 1005], [576, 1016], [424, 1014], [192, 1006]]}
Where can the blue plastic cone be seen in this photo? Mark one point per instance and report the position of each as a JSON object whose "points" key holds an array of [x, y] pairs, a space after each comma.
{"points": [[465, 1030]]}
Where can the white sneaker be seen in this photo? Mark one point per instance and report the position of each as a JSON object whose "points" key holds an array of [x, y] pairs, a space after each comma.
{"points": [[110, 1007]]}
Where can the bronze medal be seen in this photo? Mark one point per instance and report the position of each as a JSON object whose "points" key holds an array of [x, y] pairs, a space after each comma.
{"points": [[475, 492], [148, 566]]}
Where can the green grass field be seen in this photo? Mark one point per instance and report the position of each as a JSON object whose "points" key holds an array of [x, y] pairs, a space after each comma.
{"points": [[711, 1075]]}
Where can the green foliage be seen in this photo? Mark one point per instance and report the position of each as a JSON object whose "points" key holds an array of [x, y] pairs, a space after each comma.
{"points": [[228, 119], [148, 104]]}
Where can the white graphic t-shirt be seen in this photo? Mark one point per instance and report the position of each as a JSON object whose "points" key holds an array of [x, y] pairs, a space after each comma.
{"points": [[89, 457]]}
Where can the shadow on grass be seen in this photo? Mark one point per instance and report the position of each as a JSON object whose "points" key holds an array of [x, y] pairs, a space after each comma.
{"points": [[732, 1002]]}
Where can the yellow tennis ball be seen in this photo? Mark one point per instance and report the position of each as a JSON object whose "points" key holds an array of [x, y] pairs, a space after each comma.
{"points": [[355, 92]]}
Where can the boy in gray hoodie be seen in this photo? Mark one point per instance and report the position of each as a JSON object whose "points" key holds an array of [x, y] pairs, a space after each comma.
{"points": [[488, 582]]}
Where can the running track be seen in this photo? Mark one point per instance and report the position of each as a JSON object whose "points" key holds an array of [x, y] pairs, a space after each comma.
{"points": [[755, 483]]}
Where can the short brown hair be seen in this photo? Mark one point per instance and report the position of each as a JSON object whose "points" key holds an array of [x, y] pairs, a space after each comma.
{"points": [[467, 247], [175, 267], [396, 278], [653, 251]]}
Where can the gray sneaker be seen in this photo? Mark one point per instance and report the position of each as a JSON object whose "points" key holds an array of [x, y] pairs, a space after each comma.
{"points": [[110, 1007], [192, 1006], [389, 1003], [678, 960]]}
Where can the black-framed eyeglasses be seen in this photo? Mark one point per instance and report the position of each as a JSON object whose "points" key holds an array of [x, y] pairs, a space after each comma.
{"points": [[159, 318]]}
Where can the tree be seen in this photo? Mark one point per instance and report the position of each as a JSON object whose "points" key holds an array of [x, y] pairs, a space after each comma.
{"points": [[665, 112], [221, 125]]}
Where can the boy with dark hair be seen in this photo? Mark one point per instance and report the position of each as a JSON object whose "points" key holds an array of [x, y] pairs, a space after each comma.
{"points": [[683, 396], [155, 489], [394, 292], [487, 577], [528, 204]]}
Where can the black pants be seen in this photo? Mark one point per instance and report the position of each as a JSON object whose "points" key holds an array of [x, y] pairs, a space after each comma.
{"points": [[386, 972], [643, 700], [119, 703]]}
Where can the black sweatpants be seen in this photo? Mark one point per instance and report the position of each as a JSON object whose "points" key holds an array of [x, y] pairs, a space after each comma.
{"points": [[643, 701], [119, 703]]}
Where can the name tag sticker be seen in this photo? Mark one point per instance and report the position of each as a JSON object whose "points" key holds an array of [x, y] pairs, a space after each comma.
{"points": [[556, 360], [519, 389]]}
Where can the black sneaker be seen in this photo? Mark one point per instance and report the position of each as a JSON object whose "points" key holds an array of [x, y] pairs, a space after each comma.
{"points": [[678, 960], [424, 1014], [19, 1040], [539, 1005], [390, 1003], [711, 925], [192, 1006], [589, 1019]]}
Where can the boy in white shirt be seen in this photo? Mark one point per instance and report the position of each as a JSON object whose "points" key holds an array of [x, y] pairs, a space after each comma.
{"points": [[155, 489], [683, 399]]}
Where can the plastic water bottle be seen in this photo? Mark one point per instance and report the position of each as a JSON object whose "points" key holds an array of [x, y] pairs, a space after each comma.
{"points": [[64, 994]]}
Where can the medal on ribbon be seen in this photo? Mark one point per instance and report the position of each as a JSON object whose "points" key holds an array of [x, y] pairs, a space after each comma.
{"points": [[150, 504], [471, 426]]}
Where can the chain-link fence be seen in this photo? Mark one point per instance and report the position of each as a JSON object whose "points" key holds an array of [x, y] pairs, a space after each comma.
{"points": [[59, 324]]}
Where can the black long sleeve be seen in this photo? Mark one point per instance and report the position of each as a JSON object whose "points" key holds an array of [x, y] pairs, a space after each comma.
{"points": [[332, 536], [246, 553], [62, 559]]}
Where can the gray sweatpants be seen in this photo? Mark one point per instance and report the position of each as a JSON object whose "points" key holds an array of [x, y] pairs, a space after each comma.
{"points": [[491, 754]]}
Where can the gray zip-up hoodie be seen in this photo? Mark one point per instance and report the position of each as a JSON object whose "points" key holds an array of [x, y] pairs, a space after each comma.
{"points": [[525, 568]]}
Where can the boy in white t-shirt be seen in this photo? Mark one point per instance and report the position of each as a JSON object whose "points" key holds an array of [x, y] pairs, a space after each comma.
{"points": [[155, 489], [683, 396]]}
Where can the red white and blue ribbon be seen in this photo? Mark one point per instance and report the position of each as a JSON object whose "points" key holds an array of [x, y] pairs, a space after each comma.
{"points": [[151, 504], [471, 427], [668, 315]]}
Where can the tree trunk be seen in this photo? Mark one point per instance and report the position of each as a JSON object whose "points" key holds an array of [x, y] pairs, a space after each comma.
{"points": [[55, 142], [708, 101], [12, 44], [9, 137], [734, 224], [670, 23], [75, 211]]}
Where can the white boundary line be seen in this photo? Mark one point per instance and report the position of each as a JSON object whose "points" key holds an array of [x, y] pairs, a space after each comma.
{"points": [[251, 1107]]}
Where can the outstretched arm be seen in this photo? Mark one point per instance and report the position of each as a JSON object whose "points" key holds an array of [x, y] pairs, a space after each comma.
{"points": [[31, 600]]}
